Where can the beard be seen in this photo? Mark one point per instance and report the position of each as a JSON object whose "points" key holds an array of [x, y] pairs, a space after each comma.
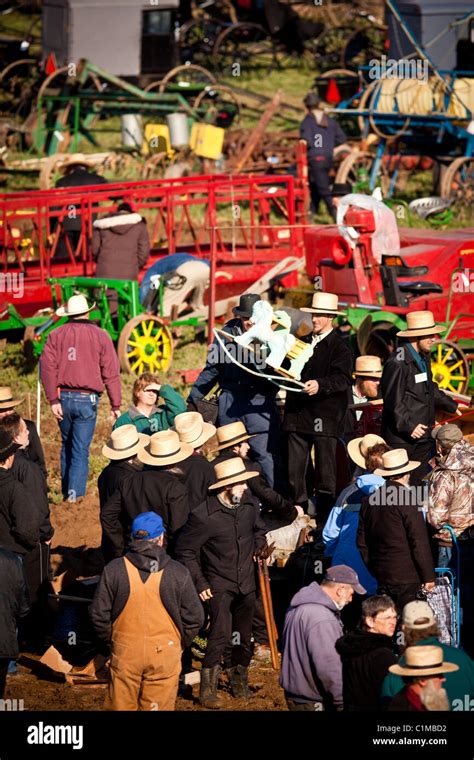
{"points": [[434, 699]]}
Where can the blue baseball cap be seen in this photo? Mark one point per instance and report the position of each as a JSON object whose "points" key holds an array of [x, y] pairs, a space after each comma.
{"points": [[149, 525]]}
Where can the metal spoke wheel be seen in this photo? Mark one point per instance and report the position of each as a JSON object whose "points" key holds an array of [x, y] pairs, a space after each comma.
{"points": [[196, 40], [145, 345], [458, 186], [18, 82], [221, 104], [449, 366], [246, 46], [356, 168]]}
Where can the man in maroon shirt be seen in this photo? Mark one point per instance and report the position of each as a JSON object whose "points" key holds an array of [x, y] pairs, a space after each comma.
{"points": [[77, 361]]}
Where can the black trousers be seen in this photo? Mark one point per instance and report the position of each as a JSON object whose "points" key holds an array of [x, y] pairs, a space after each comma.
{"points": [[299, 459], [36, 567], [3, 674], [320, 186], [231, 617], [401, 594]]}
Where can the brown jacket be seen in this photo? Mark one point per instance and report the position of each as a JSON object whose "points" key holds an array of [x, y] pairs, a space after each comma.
{"points": [[120, 245], [451, 491]]}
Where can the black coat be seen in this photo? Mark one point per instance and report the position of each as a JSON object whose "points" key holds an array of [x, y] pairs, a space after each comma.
{"points": [[112, 476], [177, 592], [269, 499], [29, 474], [392, 537], [217, 545], [19, 522], [34, 450], [198, 475], [78, 177], [407, 403], [331, 365], [366, 658], [147, 491], [13, 602]]}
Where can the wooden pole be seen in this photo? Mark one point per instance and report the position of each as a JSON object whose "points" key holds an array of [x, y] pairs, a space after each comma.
{"points": [[258, 132], [268, 611]]}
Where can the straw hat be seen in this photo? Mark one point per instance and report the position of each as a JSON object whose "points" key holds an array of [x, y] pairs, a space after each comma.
{"points": [[358, 447], [76, 305], [231, 435], [192, 429], [423, 661], [6, 398], [231, 471], [396, 462], [323, 303], [368, 366], [124, 443], [164, 448], [420, 323]]}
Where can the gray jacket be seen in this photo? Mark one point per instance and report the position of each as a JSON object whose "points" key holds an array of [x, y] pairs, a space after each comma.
{"points": [[311, 669]]}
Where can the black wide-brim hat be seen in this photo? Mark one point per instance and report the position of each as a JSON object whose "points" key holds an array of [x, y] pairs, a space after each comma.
{"points": [[7, 446], [246, 303], [341, 188]]}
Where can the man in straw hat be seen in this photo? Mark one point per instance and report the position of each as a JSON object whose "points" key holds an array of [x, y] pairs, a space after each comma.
{"points": [[424, 674], [77, 361], [410, 395], [121, 450], [367, 376], [156, 488], [392, 535], [243, 396], [198, 472], [34, 450], [420, 628], [315, 418], [147, 609], [19, 523], [218, 545]]}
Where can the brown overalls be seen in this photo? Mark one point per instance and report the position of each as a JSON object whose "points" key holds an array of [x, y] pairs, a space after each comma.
{"points": [[146, 650]]}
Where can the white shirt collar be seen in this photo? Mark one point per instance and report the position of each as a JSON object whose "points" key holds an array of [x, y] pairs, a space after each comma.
{"points": [[318, 338]]}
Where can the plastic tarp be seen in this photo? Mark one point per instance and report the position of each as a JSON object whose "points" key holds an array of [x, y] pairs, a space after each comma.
{"points": [[385, 239]]}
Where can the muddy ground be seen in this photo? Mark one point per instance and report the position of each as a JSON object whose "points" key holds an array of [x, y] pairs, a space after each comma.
{"points": [[75, 545]]}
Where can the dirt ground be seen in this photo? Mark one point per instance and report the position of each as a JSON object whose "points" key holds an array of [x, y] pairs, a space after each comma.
{"points": [[75, 545]]}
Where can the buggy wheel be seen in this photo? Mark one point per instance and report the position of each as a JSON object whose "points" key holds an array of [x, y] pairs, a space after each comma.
{"points": [[458, 186], [248, 46], [356, 168], [145, 345], [223, 108], [449, 366], [185, 76]]}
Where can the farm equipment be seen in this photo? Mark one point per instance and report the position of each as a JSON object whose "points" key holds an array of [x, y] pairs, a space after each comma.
{"points": [[416, 116], [380, 293]]}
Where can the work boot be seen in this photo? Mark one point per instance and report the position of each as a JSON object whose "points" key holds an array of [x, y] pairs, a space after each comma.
{"points": [[238, 680], [208, 696]]}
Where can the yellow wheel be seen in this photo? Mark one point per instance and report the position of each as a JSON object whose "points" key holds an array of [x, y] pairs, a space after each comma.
{"points": [[449, 366], [145, 345]]}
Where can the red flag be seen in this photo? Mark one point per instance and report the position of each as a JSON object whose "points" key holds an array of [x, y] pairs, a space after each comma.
{"points": [[333, 95], [51, 64]]}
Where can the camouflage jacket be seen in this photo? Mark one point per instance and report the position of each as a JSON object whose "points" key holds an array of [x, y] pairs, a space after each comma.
{"points": [[451, 490]]}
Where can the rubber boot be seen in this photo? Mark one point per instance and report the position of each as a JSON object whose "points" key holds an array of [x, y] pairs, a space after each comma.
{"points": [[238, 680], [208, 696]]}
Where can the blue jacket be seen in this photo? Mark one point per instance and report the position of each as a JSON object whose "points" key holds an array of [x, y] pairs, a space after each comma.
{"points": [[311, 669], [220, 369], [163, 266], [340, 531], [330, 134]]}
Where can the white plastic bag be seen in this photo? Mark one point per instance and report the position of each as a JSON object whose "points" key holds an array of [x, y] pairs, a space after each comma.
{"points": [[385, 239]]}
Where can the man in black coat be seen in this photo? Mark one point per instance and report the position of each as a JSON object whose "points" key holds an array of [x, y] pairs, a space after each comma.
{"points": [[410, 396], [218, 545], [244, 396], [19, 523], [315, 417], [34, 450], [77, 174], [13, 605], [322, 134], [121, 449], [392, 536], [154, 490]]}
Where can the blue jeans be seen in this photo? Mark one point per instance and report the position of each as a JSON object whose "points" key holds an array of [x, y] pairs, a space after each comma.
{"points": [[444, 556], [77, 429]]}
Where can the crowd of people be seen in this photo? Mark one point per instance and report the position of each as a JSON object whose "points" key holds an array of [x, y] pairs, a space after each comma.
{"points": [[188, 495]]}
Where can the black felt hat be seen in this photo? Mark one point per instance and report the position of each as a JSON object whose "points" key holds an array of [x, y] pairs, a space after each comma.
{"points": [[7, 445], [244, 309]]}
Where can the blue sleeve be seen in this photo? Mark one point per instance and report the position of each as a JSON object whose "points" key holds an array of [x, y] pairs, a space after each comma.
{"points": [[332, 530], [209, 375], [307, 131]]}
